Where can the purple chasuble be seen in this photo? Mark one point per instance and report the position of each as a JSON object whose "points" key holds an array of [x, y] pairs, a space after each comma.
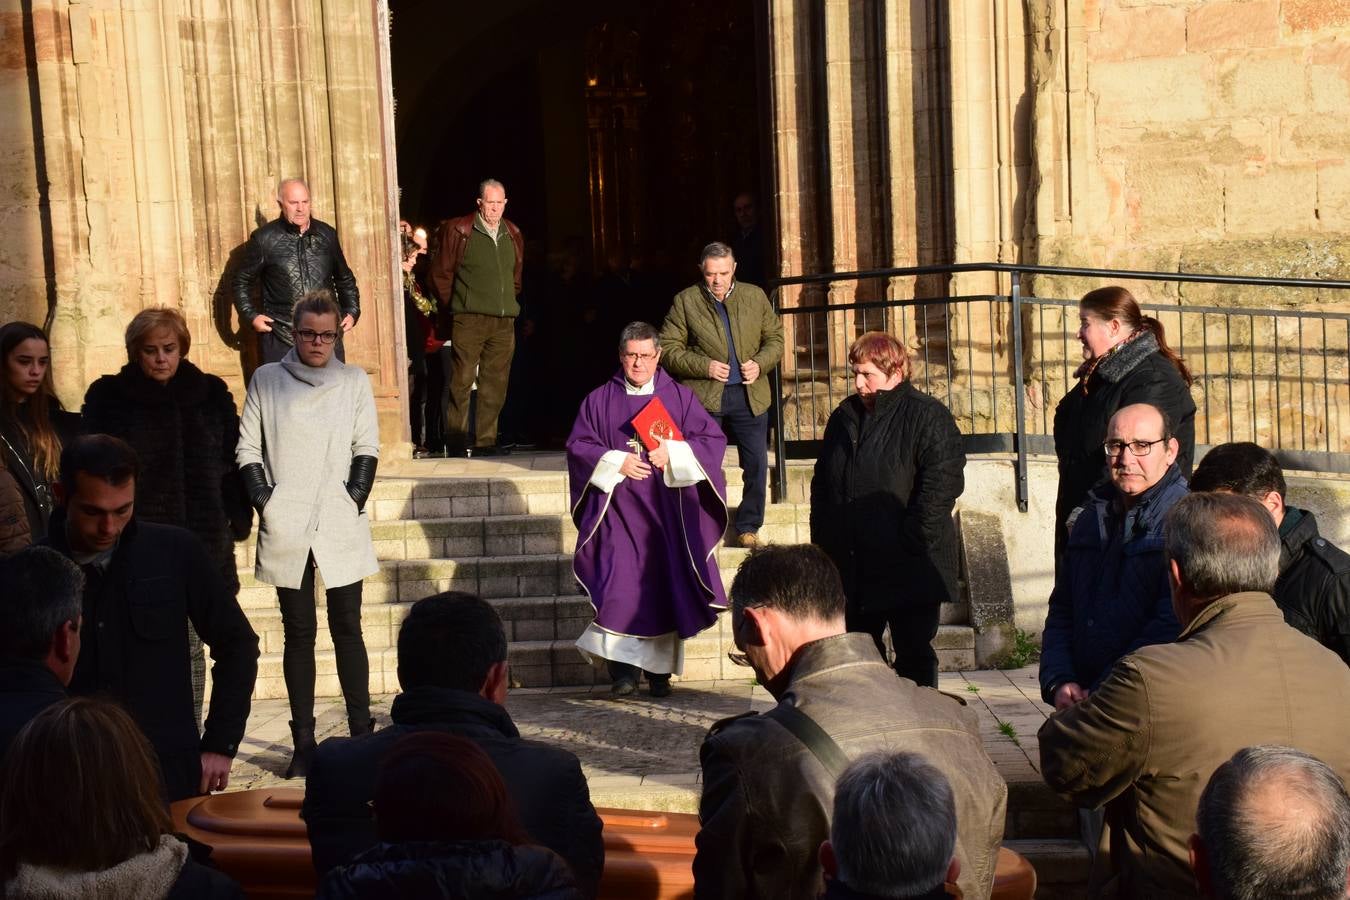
{"points": [[645, 551]]}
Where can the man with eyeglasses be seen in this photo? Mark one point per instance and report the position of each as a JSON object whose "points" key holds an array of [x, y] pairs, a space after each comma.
{"points": [[1111, 595], [648, 517]]}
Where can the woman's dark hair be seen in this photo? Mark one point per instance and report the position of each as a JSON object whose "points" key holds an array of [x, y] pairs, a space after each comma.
{"points": [[410, 247], [434, 786], [44, 444], [81, 790], [1114, 302]]}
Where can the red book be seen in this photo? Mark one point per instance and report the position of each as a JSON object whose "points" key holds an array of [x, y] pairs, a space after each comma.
{"points": [[655, 422]]}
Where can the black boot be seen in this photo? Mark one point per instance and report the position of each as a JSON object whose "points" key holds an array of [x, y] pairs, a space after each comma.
{"points": [[360, 726], [624, 678], [658, 685], [303, 737]]}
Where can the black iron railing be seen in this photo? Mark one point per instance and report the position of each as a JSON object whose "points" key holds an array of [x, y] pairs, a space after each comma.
{"points": [[1002, 361]]}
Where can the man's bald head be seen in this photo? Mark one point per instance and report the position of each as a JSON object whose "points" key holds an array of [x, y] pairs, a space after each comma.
{"points": [[1273, 822], [1219, 544]]}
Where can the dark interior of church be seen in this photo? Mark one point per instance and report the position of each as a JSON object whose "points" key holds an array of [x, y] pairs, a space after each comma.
{"points": [[621, 130]]}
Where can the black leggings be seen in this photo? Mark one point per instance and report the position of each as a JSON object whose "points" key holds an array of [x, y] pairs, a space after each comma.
{"points": [[300, 623]]}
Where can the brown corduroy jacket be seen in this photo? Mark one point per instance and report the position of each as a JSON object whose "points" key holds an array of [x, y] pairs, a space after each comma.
{"points": [[1146, 742], [14, 531]]}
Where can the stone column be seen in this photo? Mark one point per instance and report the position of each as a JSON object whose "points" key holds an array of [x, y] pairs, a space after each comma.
{"points": [[160, 130]]}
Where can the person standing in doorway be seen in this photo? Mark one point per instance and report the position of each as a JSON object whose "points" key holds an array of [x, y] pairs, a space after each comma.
{"points": [[476, 278]]}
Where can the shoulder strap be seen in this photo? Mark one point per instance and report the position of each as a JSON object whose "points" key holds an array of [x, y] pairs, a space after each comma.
{"points": [[808, 731]]}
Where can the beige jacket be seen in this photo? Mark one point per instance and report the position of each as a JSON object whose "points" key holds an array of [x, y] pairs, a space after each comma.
{"points": [[767, 800], [1146, 742]]}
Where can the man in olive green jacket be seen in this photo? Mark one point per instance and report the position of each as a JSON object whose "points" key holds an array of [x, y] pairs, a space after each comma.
{"points": [[721, 340], [1147, 740]]}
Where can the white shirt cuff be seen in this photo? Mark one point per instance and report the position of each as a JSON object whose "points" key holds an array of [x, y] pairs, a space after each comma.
{"points": [[607, 474], [684, 469]]}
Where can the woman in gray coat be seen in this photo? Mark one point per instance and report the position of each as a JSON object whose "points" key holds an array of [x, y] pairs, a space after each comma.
{"points": [[308, 445]]}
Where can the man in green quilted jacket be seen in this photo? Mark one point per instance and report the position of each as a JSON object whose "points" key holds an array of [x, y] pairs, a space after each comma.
{"points": [[721, 339]]}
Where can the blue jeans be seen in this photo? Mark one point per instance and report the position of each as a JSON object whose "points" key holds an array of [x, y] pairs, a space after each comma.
{"points": [[750, 434]]}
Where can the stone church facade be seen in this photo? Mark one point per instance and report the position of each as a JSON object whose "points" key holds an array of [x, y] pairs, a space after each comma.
{"points": [[146, 138]]}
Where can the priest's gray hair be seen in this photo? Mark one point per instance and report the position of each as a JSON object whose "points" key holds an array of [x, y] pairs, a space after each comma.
{"points": [[894, 826], [281, 186], [1301, 850], [487, 183], [639, 331]]}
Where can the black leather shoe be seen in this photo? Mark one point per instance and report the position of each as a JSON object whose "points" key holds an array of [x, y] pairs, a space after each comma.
{"points": [[658, 685], [622, 687]]}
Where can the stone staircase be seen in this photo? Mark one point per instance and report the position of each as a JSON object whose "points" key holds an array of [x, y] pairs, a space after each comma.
{"points": [[508, 538]]}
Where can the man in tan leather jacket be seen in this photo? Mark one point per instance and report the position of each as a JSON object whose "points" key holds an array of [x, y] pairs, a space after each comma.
{"points": [[767, 795], [1147, 740]]}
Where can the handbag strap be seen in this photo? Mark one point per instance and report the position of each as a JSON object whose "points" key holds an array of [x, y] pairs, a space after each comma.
{"points": [[808, 731]]}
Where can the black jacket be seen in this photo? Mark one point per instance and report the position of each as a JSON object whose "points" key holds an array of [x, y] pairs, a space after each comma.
{"points": [[134, 643], [290, 263], [545, 782], [185, 434], [882, 497], [1313, 590], [1135, 372], [201, 882], [32, 483], [463, 870], [27, 687]]}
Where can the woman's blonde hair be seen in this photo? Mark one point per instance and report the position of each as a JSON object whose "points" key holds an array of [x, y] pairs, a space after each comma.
{"points": [[148, 320]]}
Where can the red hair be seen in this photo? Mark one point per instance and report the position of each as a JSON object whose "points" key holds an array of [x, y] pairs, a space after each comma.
{"points": [[1115, 302], [881, 350]]}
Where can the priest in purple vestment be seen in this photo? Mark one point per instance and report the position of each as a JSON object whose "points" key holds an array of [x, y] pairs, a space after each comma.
{"points": [[647, 523]]}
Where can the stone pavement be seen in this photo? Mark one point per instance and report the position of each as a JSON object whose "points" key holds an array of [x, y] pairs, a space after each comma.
{"points": [[641, 753]]}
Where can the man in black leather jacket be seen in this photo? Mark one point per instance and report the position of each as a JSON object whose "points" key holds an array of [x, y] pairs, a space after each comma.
{"points": [[1313, 590], [290, 256]]}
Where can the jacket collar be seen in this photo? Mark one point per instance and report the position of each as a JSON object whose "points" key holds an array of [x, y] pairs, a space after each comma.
{"points": [[1248, 604], [29, 676], [1122, 359], [1299, 527], [56, 536], [1107, 493], [708, 295], [430, 705], [188, 385], [849, 648]]}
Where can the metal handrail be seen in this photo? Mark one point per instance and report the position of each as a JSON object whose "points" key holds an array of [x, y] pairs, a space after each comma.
{"points": [[1017, 300]]}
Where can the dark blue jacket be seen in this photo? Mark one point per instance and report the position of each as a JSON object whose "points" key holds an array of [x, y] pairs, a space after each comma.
{"points": [[1111, 595], [545, 782]]}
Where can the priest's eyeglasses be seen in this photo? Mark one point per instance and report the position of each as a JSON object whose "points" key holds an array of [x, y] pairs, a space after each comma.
{"points": [[320, 337], [1137, 448], [638, 357]]}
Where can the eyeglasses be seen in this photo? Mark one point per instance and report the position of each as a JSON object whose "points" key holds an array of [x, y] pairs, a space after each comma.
{"points": [[320, 337], [1137, 448], [637, 357]]}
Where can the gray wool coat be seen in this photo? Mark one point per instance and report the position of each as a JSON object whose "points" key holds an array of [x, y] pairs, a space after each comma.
{"points": [[305, 425]]}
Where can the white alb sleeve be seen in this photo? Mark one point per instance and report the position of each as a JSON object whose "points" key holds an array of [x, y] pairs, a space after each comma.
{"points": [[684, 469], [607, 474]]}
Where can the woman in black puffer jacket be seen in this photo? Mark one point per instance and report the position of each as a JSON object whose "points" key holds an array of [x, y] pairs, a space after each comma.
{"points": [[447, 830], [183, 425], [887, 478], [1126, 360]]}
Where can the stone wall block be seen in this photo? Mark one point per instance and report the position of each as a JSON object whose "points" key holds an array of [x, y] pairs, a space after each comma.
{"points": [[1175, 201], [1152, 90], [1314, 138], [1315, 15], [1226, 26], [1138, 33], [1267, 82], [1282, 199], [1333, 197]]}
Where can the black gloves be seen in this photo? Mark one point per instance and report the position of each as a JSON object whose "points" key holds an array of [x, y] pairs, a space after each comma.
{"points": [[255, 485], [361, 479]]}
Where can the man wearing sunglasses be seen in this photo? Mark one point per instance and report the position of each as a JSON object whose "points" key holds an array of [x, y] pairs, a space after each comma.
{"points": [[1111, 595]]}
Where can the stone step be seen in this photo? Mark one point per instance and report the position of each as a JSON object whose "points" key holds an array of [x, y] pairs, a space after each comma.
{"points": [[1061, 866], [500, 495], [554, 662]]}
